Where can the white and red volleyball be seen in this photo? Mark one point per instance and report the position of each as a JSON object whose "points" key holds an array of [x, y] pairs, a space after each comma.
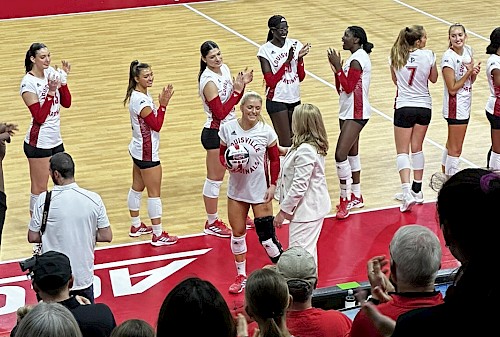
{"points": [[237, 156]]}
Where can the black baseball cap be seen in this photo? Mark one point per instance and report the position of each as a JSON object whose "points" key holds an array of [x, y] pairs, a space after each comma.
{"points": [[51, 271]]}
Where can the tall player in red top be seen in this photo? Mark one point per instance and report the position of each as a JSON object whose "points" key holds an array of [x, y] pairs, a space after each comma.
{"points": [[147, 121], [219, 95], [352, 79], [43, 90]]}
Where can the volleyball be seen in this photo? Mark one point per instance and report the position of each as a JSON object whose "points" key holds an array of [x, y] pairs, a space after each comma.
{"points": [[237, 156]]}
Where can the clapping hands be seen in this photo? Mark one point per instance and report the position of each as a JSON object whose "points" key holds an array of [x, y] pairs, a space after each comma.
{"points": [[165, 95]]}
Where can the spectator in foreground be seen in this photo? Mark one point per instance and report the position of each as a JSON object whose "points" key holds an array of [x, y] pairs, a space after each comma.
{"points": [[134, 328]]}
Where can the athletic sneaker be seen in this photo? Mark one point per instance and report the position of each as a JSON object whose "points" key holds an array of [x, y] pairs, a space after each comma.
{"points": [[342, 210], [419, 197], [355, 202], [238, 285], [163, 239], [218, 228], [141, 230], [408, 202], [249, 223]]}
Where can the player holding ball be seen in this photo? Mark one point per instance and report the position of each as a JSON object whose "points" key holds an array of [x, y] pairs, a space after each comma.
{"points": [[249, 181]]}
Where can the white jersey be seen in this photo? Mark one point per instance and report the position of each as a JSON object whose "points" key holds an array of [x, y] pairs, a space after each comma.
{"points": [[48, 134], [356, 105], [75, 216], [250, 184], [412, 80], [224, 85], [288, 88], [457, 106], [493, 104], [145, 142]]}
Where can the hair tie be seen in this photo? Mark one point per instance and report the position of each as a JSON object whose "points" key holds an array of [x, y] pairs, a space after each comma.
{"points": [[407, 29], [486, 180]]}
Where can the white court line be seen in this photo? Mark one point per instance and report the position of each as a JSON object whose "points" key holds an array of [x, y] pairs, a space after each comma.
{"points": [[427, 139]]}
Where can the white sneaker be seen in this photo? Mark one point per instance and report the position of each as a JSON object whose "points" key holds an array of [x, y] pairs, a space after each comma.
{"points": [[419, 197], [408, 202]]}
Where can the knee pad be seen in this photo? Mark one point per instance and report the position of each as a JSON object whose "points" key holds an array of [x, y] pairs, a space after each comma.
{"points": [[211, 188], [33, 199], [355, 163], [403, 161], [267, 237], [494, 163], [418, 160], [443, 156], [451, 166], [155, 208], [344, 170], [134, 200], [239, 244]]}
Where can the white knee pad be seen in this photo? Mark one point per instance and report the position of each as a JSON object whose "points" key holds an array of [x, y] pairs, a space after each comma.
{"points": [[451, 166], [211, 188], [494, 161], [239, 244], [344, 170], [155, 208], [418, 160], [355, 163], [134, 200], [33, 199], [403, 161], [443, 156]]}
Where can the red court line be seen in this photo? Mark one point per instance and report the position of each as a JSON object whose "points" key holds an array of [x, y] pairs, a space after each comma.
{"points": [[12, 9]]}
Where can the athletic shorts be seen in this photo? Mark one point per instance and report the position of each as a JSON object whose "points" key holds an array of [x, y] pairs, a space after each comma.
{"points": [[143, 164], [35, 152], [454, 121], [210, 139], [407, 117], [273, 107], [494, 121]]}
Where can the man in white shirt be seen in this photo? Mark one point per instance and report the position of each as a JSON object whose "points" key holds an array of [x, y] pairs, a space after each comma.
{"points": [[76, 220]]}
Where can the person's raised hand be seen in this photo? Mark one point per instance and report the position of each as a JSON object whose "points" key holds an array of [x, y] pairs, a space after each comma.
{"points": [[165, 94]]}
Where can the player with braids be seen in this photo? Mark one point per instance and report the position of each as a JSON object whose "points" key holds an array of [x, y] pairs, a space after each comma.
{"points": [[250, 185], [282, 63], [412, 67], [219, 95], [44, 90], [459, 73], [352, 79], [267, 300], [493, 103], [147, 121]]}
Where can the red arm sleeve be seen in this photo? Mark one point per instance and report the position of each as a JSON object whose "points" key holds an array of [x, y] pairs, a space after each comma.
{"points": [[219, 110], [156, 122], [300, 70], [337, 83], [40, 112], [349, 83], [274, 159], [65, 96], [222, 151], [273, 79]]}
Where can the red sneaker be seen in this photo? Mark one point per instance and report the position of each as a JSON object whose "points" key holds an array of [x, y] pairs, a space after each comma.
{"points": [[141, 230], [218, 228], [163, 239], [342, 210], [355, 202], [238, 285], [250, 224]]}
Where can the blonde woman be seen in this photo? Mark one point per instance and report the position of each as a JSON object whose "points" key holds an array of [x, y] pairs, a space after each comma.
{"points": [[412, 67], [304, 198], [250, 185]]}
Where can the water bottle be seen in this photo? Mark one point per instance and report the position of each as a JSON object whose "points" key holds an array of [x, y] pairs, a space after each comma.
{"points": [[350, 300]]}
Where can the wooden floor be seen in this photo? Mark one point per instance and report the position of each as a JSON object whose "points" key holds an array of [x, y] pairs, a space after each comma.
{"points": [[101, 45]]}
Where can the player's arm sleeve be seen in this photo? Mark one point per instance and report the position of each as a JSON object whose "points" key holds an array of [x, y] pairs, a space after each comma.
{"points": [[348, 82], [221, 110], [65, 96], [156, 122]]}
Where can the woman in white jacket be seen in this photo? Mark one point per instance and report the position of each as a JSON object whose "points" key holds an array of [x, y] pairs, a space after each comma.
{"points": [[304, 197]]}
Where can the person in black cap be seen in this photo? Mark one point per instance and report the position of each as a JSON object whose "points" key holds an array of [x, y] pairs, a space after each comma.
{"points": [[52, 279]]}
